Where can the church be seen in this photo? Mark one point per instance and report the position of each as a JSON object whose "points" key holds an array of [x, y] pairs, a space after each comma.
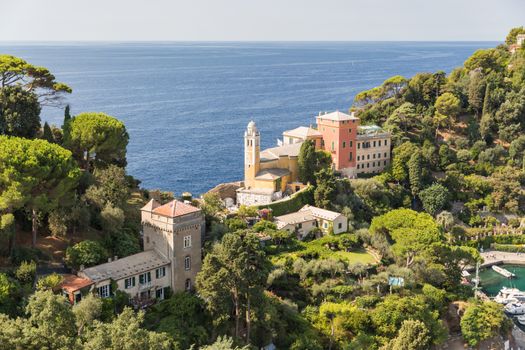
{"points": [[272, 173]]}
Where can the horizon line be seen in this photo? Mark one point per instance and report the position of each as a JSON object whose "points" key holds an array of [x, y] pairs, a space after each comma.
{"points": [[249, 41]]}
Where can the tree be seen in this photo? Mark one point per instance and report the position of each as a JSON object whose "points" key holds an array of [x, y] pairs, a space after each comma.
{"points": [[97, 137], [112, 218], [7, 289], [87, 311], [447, 108], [125, 333], [35, 174], [445, 219], [87, 253], [111, 187], [413, 335], [488, 60], [26, 272], [66, 122], [52, 321], [224, 343], [325, 190], [434, 198], [57, 222], [183, 316], [15, 71], [19, 112], [511, 37], [482, 321], [402, 154], [47, 134], [476, 89], [516, 149], [233, 277], [394, 86], [50, 282], [307, 162], [414, 172]]}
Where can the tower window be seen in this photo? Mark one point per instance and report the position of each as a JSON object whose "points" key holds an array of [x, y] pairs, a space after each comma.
{"points": [[187, 284], [351, 143], [351, 156], [187, 242], [344, 144], [187, 263]]}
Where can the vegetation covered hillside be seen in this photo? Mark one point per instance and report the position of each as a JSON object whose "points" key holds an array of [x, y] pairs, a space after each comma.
{"points": [[393, 281]]}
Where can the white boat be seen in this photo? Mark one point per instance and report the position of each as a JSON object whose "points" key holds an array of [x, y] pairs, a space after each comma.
{"points": [[503, 272], [515, 308], [509, 295], [521, 319]]}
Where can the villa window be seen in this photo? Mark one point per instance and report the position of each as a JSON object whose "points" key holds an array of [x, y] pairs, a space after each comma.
{"points": [[386, 141], [359, 145], [159, 294], [187, 263], [325, 225], [187, 241], [129, 282], [385, 162], [351, 156], [145, 278], [385, 154], [378, 155], [187, 284], [374, 156], [351, 144], [357, 166], [160, 272], [333, 146], [299, 225], [368, 165], [344, 144], [104, 291], [374, 143], [368, 156], [340, 225]]}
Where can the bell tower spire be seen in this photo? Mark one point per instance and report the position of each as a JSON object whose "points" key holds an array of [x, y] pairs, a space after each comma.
{"points": [[252, 154]]}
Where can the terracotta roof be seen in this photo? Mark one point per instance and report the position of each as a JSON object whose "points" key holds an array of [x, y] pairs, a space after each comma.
{"points": [[73, 283], [125, 267], [281, 151], [271, 174], [338, 116], [152, 204], [303, 132], [175, 208]]}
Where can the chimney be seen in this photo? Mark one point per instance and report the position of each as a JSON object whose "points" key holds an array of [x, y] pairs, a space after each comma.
{"points": [[109, 260], [115, 258]]}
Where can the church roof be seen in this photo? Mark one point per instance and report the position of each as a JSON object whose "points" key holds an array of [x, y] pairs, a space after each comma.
{"points": [[303, 132], [337, 116], [175, 208], [271, 174], [281, 151]]}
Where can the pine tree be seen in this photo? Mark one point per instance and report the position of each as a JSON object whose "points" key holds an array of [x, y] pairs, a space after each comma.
{"points": [[47, 133]]}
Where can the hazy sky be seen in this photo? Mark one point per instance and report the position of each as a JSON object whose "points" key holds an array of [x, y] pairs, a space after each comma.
{"points": [[76, 20]]}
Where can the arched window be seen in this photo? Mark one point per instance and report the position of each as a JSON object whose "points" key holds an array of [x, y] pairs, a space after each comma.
{"points": [[187, 285]]}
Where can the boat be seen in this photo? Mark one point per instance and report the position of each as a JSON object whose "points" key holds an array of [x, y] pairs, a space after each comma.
{"points": [[515, 308], [509, 295], [521, 319], [503, 272]]}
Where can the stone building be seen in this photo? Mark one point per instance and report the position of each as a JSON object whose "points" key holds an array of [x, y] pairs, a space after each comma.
{"points": [[173, 235]]}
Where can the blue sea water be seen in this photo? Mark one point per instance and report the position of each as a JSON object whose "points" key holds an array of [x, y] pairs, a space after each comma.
{"points": [[186, 105]]}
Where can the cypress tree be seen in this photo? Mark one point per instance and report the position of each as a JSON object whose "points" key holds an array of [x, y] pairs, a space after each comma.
{"points": [[486, 100], [65, 125], [414, 172], [307, 162], [47, 133]]}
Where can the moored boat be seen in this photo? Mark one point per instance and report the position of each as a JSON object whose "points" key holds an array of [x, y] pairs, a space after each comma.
{"points": [[521, 319], [509, 295], [503, 272], [515, 308]]}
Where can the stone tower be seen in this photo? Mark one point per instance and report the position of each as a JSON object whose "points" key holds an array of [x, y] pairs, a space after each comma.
{"points": [[252, 154], [175, 231]]}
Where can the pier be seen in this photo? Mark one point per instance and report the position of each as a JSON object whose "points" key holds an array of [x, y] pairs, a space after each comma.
{"points": [[491, 258]]}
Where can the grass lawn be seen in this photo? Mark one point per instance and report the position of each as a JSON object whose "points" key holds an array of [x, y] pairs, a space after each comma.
{"points": [[319, 249]]}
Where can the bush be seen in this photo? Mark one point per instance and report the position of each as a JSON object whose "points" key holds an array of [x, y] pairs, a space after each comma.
{"points": [[510, 248], [21, 254], [49, 282], [87, 253], [292, 204], [26, 272]]}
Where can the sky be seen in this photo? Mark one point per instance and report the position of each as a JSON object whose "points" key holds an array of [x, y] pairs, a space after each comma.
{"points": [[258, 20]]}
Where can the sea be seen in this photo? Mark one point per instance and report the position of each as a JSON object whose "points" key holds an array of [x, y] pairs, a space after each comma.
{"points": [[492, 282], [186, 104]]}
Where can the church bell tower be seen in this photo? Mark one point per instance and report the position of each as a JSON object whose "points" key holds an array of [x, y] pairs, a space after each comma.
{"points": [[252, 157]]}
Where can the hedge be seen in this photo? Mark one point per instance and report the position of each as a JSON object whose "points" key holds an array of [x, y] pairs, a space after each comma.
{"points": [[292, 204], [497, 239], [510, 248]]}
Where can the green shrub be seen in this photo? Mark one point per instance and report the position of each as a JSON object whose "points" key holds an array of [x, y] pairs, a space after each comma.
{"points": [[26, 272], [292, 204], [49, 282], [510, 248], [87, 253]]}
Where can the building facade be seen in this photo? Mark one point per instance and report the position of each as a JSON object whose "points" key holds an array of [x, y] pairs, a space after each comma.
{"points": [[308, 218], [171, 259], [373, 150]]}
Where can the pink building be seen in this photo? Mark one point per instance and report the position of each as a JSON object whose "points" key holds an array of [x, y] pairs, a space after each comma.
{"points": [[339, 132]]}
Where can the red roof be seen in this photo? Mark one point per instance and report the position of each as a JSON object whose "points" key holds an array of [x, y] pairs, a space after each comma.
{"points": [[175, 208], [73, 283]]}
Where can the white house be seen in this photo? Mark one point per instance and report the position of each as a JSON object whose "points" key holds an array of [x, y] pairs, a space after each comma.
{"points": [[302, 222]]}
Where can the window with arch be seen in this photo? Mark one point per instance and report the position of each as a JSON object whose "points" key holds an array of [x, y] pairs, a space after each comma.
{"points": [[187, 262], [187, 284]]}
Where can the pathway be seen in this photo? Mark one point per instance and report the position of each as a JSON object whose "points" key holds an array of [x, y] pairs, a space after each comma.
{"points": [[496, 257]]}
